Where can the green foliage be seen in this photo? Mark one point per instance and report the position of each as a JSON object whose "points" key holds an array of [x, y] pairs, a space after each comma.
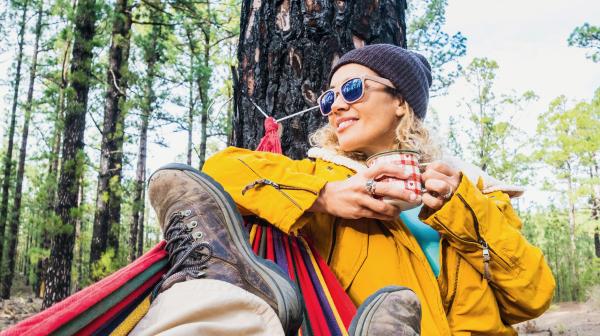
{"points": [[548, 229], [495, 145], [425, 35], [587, 36], [105, 266]]}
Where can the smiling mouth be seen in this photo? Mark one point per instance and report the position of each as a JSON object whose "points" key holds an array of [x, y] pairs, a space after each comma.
{"points": [[345, 124]]}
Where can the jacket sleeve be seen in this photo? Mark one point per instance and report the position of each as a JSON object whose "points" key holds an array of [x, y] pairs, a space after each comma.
{"points": [[271, 186], [485, 230]]}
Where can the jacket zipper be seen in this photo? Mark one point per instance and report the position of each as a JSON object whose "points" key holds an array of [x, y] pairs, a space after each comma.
{"points": [[484, 245], [278, 187], [480, 243]]}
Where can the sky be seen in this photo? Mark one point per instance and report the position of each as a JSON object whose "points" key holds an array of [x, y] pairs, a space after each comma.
{"points": [[528, 39]]}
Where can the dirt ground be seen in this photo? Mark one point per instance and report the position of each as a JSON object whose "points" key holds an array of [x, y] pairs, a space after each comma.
{"points": [[567, 318], [561, 319]]}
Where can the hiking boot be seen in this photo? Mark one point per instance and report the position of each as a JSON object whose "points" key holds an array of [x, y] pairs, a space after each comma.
{"points": [[206, 240], [391, 310]]}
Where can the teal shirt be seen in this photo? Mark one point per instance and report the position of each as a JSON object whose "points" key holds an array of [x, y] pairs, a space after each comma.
{"points": [[428, 238]]}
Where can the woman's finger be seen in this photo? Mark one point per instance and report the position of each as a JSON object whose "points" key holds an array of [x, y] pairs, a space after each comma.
{"points": [[438, 188], [371, 214], [395, 190], [432, 202], [441, 167], [433, 174], [389, 169], [379, 207]]}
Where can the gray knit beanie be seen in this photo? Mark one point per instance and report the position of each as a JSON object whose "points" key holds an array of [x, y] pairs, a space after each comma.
{"points": [[408, 71]]}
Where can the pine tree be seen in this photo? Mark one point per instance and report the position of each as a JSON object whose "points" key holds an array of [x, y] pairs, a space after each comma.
{"points": [[11, 129], [58, 275], [109, 195], [16, 211]]}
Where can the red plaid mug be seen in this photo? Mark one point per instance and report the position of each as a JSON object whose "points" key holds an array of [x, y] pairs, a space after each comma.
{"points": [[409, 159]]}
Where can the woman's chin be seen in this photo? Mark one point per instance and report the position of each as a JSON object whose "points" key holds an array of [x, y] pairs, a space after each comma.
{"points": [[348, 147]]}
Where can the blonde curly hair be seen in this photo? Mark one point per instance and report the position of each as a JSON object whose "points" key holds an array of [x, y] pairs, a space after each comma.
{"points": [[411, 134]]}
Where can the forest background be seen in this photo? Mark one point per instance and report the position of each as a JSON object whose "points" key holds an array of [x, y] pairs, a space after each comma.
{"points": [[96, 94]]}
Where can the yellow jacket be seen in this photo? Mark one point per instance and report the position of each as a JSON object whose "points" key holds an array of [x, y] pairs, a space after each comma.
{"points": [[367, 254]]}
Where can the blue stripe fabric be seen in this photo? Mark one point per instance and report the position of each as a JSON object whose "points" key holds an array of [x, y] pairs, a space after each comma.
{"points": [[318, 287]]}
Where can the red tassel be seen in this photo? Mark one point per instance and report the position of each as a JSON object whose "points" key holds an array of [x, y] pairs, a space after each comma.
{"points": [[271, 141]]}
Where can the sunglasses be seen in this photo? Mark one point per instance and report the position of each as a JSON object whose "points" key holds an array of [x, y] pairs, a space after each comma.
{"points": [[352, 90]]}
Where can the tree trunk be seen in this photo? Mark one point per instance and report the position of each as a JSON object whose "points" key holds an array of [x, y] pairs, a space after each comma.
{"points": [[595, 205], [191, 106], [203, 87], [572, 231], [151, 57], [108, 199], [11, 132], [286, 50], [53, 168], [61, 250], [142, 223], [16, 211], [79, 240], [26, 261]]}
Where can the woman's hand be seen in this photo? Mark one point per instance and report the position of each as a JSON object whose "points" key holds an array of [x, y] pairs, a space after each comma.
{"points": [[441, 182], [351, 199]]}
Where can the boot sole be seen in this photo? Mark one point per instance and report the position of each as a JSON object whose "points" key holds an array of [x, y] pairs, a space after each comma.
{"points": [[359, 326], [285, 291]]}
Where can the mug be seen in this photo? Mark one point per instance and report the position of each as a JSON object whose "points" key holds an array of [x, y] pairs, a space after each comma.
{"points": [[409, 159]]}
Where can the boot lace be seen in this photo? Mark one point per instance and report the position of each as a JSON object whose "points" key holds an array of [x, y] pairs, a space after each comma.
{"points": [[187, 254]]}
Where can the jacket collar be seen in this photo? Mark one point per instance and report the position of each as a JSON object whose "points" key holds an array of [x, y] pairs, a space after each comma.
{"points": [[474, 173]]}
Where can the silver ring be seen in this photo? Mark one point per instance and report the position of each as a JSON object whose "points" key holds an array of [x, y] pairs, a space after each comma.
{"points": [[370, 186], [448, 195]]}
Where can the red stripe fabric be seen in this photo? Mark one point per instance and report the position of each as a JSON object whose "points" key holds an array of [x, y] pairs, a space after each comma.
{"points": [[270, 251], [318, 323], [100, 321], [49, 320], [288, 256], [256, 242], [345, 307]]}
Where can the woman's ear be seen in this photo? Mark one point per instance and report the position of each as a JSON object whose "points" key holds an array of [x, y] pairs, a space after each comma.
{"points": [[401, 107]]}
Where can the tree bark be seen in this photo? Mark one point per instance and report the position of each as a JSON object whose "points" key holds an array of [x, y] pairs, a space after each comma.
{"points": [[203, 86], [16, 211], [61, 250], [53, 168], [11, 132], [191, 102], [151, 54], [79, 240], [572, 232], [142, 222], [286, 49], [108, 199]]}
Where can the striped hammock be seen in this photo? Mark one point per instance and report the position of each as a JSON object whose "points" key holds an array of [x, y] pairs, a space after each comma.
{"points": [[114, 305]]}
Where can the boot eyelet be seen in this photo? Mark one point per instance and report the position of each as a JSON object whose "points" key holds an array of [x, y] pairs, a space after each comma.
{"points": [[197, 235], [186, 212], [191, 225]]}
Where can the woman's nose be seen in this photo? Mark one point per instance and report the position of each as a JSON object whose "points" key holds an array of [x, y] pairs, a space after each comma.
{"points": [[339, 104]]}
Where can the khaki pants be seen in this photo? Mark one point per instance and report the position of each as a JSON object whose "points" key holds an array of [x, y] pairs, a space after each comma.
{"points": [[208, 307]]}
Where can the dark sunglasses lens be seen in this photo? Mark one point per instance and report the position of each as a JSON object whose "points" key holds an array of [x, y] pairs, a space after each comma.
{"points": [[326, 102], [352, 90]]}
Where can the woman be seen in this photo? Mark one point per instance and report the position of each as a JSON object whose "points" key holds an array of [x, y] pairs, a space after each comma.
{"points": [[485, 277]]}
